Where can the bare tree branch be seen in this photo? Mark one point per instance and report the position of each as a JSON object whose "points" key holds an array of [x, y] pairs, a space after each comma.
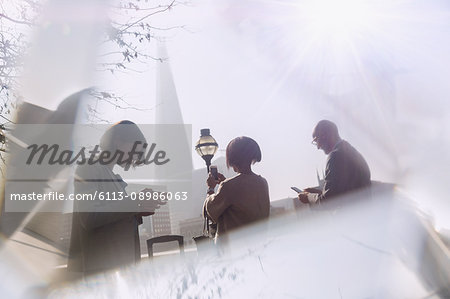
{"points": [[149, 15], [15, 21], [129, 32]]}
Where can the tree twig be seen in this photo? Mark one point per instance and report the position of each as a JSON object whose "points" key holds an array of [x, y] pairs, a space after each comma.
{"points": [[15, 21]]}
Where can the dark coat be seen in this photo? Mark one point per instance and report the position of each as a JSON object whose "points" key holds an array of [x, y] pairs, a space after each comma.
{"points": [[239, 201], [346, 171], [102, 240]]}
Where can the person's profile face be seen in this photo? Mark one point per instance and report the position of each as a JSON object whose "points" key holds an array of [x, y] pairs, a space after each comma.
{"points": [[321, 141]]}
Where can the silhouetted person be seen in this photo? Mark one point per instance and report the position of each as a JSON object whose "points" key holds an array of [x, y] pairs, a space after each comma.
{"points": [[243, 198], [100, 239], [346, 169]]}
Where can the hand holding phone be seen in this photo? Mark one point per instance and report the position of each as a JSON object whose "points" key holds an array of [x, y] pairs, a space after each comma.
{"points": [[214, 172], [313, 190], [296, 189]]}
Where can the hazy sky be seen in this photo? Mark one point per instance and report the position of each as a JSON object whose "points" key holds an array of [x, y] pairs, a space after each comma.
{"points": [[271, 69]]}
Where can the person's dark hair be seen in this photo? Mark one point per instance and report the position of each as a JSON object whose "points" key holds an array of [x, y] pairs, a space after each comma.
{"points": [[242, 151], [124, 131]]}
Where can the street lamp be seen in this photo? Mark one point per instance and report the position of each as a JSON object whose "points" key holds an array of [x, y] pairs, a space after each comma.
{"points": [[206, 147]]}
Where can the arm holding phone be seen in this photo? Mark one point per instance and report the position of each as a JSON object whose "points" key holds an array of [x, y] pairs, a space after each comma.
{"points": [[313, 190], [308, 195], [214, 178], [220, 204]]}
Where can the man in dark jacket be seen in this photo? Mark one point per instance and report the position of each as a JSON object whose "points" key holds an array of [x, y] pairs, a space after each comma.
{"points": [[346, 169]]}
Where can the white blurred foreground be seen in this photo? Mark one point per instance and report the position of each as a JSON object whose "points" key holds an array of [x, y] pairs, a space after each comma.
{"points": [[377, 248]]}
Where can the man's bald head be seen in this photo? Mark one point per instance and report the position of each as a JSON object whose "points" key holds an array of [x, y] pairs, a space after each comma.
{"points": [[326, 135], [326, 127]]}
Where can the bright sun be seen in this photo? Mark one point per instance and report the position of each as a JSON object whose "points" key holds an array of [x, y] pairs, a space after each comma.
{"points": [[337, 19]]}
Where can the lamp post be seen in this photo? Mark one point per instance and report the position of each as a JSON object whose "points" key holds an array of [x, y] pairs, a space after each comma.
{"points": [[206, 147]]}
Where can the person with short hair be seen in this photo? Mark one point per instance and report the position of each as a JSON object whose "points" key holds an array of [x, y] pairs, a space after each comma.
{"points": [[346, 168], [242, 199], [103, 240]]}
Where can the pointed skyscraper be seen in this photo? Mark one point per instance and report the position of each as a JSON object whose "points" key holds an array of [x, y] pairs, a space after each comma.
{"points": [[168, 112]]}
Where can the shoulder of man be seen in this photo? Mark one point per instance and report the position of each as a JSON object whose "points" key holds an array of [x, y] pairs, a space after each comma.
{"points": [[342, 149]]}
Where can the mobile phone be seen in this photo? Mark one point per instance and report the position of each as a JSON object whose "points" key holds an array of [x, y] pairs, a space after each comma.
{"points": [[296, 189], [214, 172]]}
